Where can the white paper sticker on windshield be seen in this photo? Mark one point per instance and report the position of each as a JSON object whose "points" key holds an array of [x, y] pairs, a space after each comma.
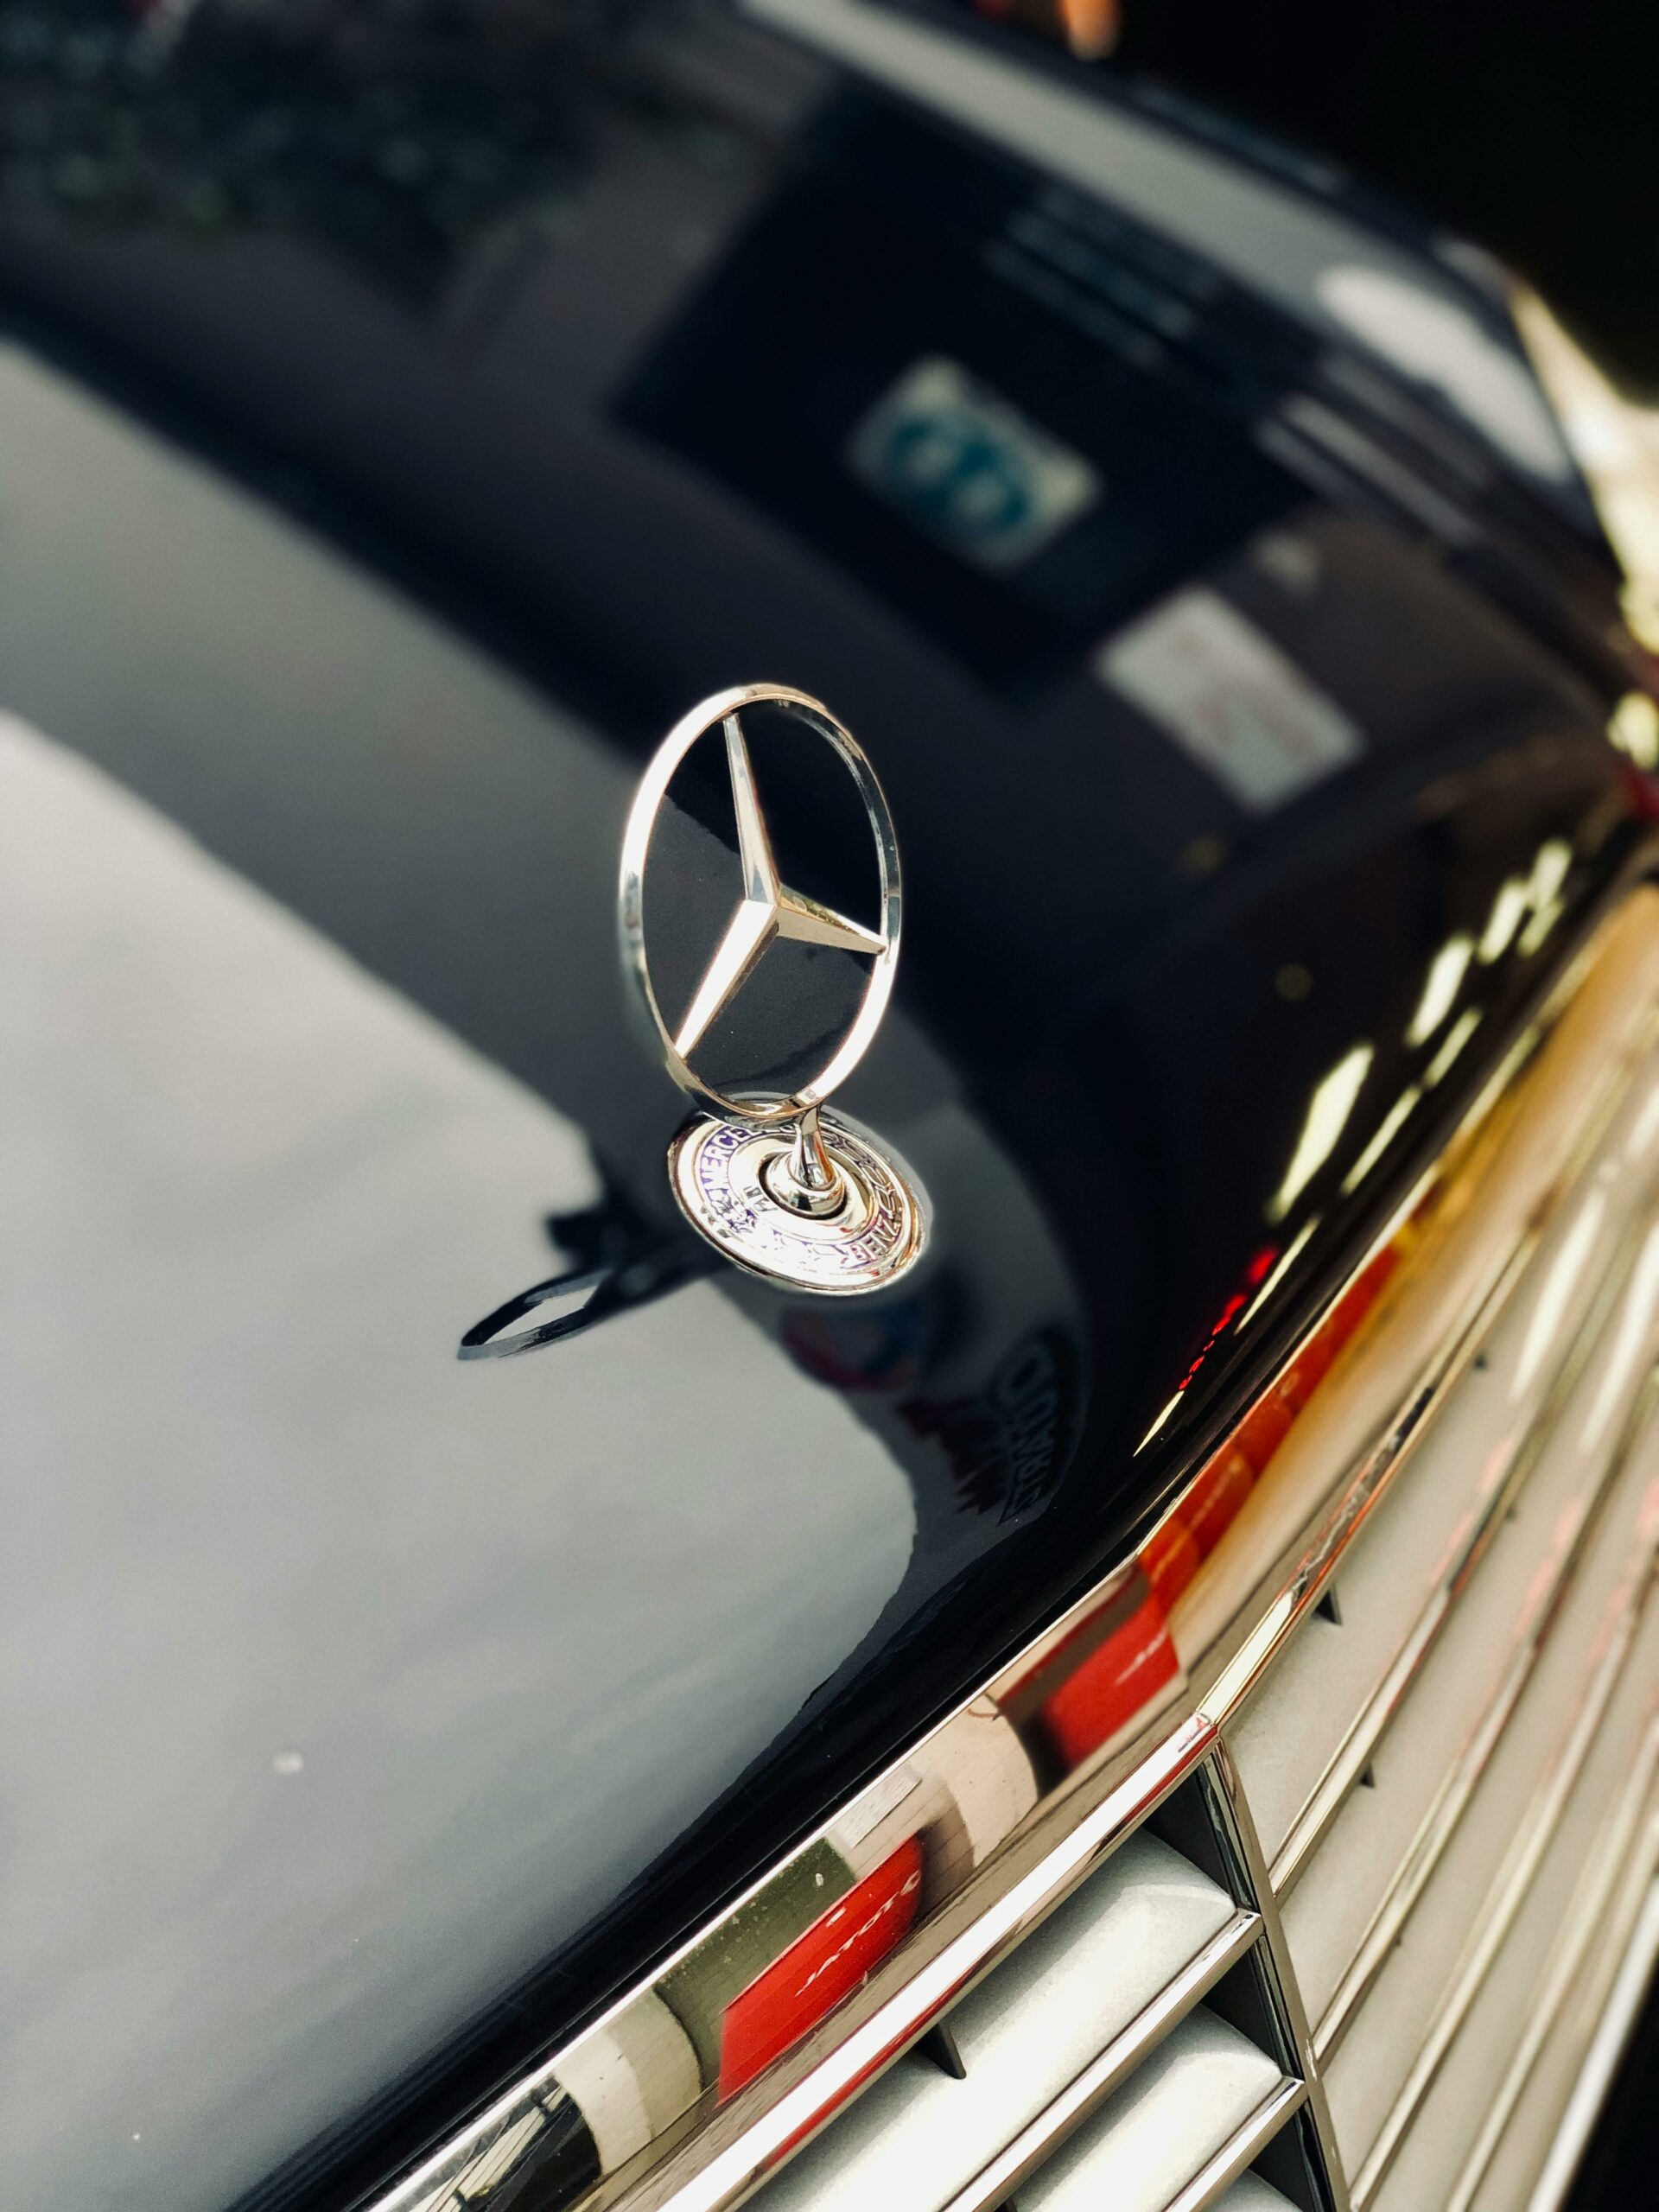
{"points": [[1231, 698]]}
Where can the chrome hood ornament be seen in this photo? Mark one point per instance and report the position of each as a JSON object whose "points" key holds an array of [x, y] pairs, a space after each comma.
{"points": [[781, 1187]]}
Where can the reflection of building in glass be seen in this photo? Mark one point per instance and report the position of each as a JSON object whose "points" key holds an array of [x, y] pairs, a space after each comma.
{"points": [[398, 137], [1016, 418]]}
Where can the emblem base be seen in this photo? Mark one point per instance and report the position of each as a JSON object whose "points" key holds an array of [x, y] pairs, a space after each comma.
{"points": [[724, 1172]]}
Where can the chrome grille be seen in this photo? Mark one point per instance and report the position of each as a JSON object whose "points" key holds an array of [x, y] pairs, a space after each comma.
{"points": [[1175, 2133], [1458, 1739], [1138, 2034]]}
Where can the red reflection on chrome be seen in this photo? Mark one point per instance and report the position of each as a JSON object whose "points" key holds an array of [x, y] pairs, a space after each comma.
{"points": [[820, 1967], [1114, 1684], [1105, 1673]]}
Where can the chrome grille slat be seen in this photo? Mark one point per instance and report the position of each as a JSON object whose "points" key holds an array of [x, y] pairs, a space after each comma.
{"points": [[1505, 1973], [1480, 1450], [1251, 2194], [1382, 1854], [1549, 2133], [1174, 2137], [1490, 2114], [1230, 2162], [1550, 1596], [1506, 1471], [1064, 2028], [1090, 2089]]}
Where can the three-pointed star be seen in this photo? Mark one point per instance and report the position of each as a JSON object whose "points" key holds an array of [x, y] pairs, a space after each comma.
{"points": [[766, 910]]}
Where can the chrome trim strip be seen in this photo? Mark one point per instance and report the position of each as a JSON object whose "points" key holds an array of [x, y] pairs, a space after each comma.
{"points": [[1497, 1180], [1090, 2088], [737, 2143], [1234, 1821], [1441, 1821], [1216, 2176], [746, 2148], [1534, 1423]]}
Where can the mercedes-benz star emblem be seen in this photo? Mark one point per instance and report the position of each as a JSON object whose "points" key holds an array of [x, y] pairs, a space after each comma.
{"points": [[781, 1187]]}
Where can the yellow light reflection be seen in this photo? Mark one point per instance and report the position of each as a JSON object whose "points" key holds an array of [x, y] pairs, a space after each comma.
{"points": [[1550, 1312], [1549, 867], [1157, 1424], [1462, 1030], [1287, 1259], [1445, 974], [1393, 1122], [1635, 728], [1509, 912], [1553, 858], [1541, 925], [1630, 1343], [1327, 1117]]}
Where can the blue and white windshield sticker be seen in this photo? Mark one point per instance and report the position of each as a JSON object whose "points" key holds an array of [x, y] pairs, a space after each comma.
{"points": [[967, 469]]}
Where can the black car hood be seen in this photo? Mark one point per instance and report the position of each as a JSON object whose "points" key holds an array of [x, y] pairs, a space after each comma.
{"points": [[387, 1712]]}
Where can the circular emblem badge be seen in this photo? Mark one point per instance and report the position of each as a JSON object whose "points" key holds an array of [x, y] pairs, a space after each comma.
{"points": [[725, 1174], [782, 1188]]}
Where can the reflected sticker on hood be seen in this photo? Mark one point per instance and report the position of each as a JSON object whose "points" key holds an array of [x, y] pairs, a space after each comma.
{"points": [[967, 469], [1232, 700]]}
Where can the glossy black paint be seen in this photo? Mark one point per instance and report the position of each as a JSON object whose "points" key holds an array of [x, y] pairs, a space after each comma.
{"points": [[579, 368]]}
